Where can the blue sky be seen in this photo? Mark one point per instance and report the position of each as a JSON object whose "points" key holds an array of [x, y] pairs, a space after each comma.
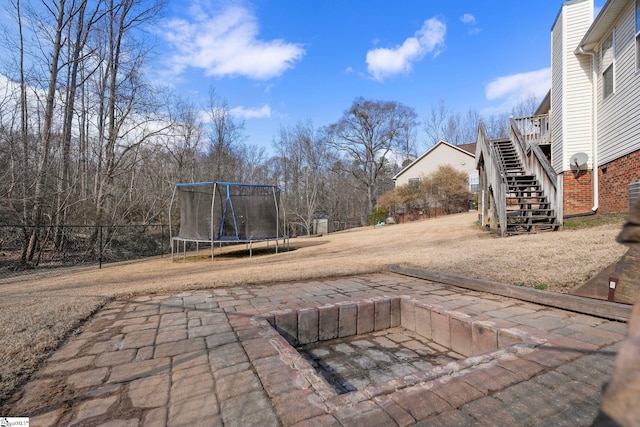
{"points": [[278, 62]]}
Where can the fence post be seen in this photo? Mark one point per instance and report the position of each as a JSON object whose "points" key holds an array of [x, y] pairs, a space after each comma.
{"points": [[100, 248]]}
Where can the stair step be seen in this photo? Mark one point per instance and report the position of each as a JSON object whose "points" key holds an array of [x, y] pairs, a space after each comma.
{"points": [[531, 211], [531, 224], [530, 214], [524, 184], [528, 209], [526, 192], [536, 223], [529, 206], [525, 189], [541, 205]]}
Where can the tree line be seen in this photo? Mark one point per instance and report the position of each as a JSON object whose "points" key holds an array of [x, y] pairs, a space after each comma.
{"points": [[86, 138]]}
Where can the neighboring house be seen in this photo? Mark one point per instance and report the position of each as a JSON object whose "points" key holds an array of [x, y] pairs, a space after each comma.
{"points": [[587, 128], [460, 157]]}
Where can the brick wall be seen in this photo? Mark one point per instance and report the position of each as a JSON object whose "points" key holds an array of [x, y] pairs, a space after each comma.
{"points": [[614, 179], [578, 192]]}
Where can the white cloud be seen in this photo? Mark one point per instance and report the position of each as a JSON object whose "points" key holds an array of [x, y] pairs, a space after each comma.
{"points": [[468, 18], [226, 43], [385, 62], [472, 22], [251, 113], [511, 90]]}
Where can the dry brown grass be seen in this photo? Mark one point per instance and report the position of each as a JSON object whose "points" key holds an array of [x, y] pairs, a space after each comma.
{"points": [[37, 313]]}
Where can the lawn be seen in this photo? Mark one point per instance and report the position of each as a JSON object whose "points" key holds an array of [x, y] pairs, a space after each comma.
{"points": [[38, 312]]}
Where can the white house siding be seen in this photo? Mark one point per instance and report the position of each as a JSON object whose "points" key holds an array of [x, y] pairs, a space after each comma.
{"points": [[557, 101], [441, 154], [577, 109], [619, 114]]}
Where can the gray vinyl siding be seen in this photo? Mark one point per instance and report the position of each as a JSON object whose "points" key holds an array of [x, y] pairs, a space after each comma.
{"points": [[619, 114]]}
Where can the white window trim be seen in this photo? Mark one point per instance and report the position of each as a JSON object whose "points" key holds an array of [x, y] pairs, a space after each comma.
{"points": [[612, 65]]}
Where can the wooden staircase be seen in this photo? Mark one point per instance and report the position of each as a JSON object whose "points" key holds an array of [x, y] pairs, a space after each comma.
{"points": [[528, 208]]}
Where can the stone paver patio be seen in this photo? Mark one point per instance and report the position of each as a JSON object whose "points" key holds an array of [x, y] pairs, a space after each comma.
{"points": [[212, 358]]}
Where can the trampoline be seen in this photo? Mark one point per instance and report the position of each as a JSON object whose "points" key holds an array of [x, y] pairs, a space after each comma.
{"points": [[226, 212]]}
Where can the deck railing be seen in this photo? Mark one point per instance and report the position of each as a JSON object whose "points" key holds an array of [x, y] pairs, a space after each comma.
{"points": [[534, 129], [495, 176]]}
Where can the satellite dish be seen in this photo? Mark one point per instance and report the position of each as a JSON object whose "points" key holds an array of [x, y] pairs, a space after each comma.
{"points": [[578, 161]]}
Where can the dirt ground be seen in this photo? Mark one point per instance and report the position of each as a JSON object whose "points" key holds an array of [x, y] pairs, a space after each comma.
{"points": [[37, 312]]}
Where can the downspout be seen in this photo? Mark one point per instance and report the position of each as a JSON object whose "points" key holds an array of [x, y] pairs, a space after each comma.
{"points": [[594, 139]]}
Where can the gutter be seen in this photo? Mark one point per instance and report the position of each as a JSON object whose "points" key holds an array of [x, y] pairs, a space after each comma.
{"points": [[594, 139]]}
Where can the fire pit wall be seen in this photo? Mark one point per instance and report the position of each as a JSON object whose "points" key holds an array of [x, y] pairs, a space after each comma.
{"points": [[454, 330]]}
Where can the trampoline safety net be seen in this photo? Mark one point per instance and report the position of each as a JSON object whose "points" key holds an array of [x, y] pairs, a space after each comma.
{"points": [[228, 212]]}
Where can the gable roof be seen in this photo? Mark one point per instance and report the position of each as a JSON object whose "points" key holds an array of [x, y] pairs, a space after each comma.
{"points": [[545, 105], [469, 148], [602, 24], [465, 148]]}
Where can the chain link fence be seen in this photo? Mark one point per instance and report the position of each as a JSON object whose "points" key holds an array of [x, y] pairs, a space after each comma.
{"points": [[77, 246]]}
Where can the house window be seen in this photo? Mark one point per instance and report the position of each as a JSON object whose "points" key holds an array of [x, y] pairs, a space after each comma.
{"points": [[606, 59], [414, 181], [474, 183], [607, 81], [637, 34]]}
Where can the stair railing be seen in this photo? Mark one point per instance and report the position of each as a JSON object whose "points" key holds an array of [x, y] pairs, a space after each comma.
{"points": [[495, 175], [536, 163]]}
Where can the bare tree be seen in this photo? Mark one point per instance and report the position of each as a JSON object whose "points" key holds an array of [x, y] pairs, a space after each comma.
{"points": [[470, 126], [443, 124], [225, 138], [497, 125], [78, 32], [251, 159], [15, 118], [435, 123], [366, 134], [184, 140], [305, 159], [126, 118], [525, 107], [61, 17]]}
